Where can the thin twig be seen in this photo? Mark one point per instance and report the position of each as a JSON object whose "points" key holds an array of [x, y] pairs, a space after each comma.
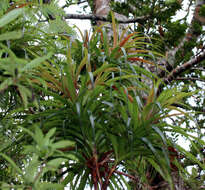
{"points": [[127, 175], [198, 68], [180, 69], [190, 78]]}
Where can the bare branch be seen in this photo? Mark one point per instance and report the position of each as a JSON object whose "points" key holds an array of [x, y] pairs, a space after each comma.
{"points": [[180, 69], [127, 175], [102, 18], [190, 35]]}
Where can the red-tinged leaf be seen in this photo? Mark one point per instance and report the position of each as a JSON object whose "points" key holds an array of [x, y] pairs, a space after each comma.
{"points": [[115, 36], [139, 59], [86, 39], [81, 34], [82, 64], [151, 96], [123, 33], [137, 51], [126, 39], [97, 30]]}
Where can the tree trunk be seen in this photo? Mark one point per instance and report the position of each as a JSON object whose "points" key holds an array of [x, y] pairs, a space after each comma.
{"points": [[102, 8]]}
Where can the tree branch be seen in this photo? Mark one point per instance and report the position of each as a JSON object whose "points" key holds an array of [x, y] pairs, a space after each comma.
{"points": [[78, 3], [190, 78], [101, 18], [127, 175], [180, 69], [190, 35], [198, 69]]}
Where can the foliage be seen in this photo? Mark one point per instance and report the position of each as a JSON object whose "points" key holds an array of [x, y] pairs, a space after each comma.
{"points": [[85, 113]]}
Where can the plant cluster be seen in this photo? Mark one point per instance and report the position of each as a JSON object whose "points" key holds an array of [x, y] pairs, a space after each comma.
{"points": [[84, 113]]}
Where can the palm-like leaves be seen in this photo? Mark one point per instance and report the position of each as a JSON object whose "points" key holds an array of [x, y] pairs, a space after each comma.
{"points": [[112, 116], [97, 95]]}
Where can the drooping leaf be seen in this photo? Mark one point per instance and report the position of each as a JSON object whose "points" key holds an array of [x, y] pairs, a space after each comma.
{"points": [[63, 144], [36, 62], [10, 16], [12, 163], [11, 35]]}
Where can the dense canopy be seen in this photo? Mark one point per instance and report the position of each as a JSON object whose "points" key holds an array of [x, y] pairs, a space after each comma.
{"points": [[120, 106]]}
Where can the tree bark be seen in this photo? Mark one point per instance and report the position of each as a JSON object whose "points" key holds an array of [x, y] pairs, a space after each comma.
{"points": [[102, 9]]}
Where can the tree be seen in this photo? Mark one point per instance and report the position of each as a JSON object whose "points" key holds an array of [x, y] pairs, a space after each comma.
{"points": [[104, 111]]}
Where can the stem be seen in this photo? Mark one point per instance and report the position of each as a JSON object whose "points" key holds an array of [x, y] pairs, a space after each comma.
{"points": [[105, 185], [97, 166], [127, 175]]}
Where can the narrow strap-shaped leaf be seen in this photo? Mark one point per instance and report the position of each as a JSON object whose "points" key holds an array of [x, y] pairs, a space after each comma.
{"points": [[28, 131], [11, 35], [166, 176], [68, 85], [105, 43], [63, 144], [11, 162], [5, 84], [149, 144], [36, 62], [10, 16], [68, 178], [82, 63], [114, 142], [83, 180], [24, 93], [190, 156], [115, 36], [50, 133]]}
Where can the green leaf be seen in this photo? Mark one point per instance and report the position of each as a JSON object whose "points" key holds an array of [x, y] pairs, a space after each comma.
{"points": [[160, 134], [63, 144], [5, 186], [71, 157], [60, 26], [50, 133], [125, 182], [5, 84], [49, 186], [55, 163], [11, 162], [11, 35], [114, 142], [149, 144], [191, 157], [10, 16], [83, 181], [70, 81], [25, 94], [68, 178], [116, 185], [27, 131], [82, 63], [32, 169], [39, 137], [157, 167], [105, 43], [36, 62]]}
